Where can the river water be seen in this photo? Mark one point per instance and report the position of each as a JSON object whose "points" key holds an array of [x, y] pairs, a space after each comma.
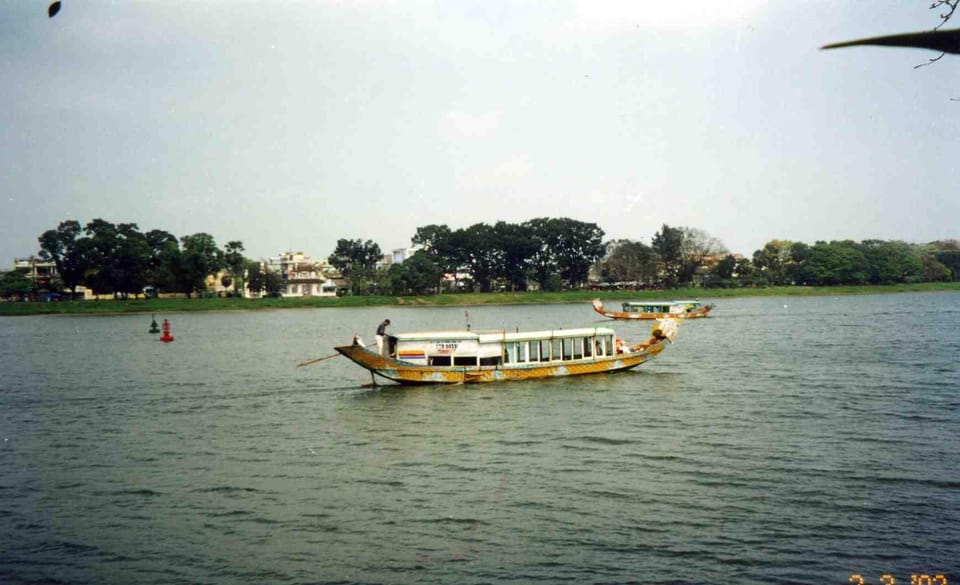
{"points": [[783, 440]]}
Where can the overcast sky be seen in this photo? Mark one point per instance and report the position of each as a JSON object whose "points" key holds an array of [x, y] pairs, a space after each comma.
{"points": [[290, 124]]}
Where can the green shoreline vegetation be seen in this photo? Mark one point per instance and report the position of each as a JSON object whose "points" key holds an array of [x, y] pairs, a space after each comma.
{"points": [[178, 305], [560, 258]]}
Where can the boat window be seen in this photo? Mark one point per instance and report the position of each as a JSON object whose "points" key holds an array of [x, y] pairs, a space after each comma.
{"points": [[567, 348], [588, 347], [606, 344], [533, 351], [490, 361], [556, 350], [466, 360], [578, 348], [440, 360], [513, 353], [544, 350]]}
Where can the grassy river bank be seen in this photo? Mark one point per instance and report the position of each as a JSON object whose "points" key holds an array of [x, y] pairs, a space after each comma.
{"points": [[466, 299]]}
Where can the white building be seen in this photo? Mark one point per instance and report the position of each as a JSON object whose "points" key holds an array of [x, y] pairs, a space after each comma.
{"points": [[40, 272], [44, 272], [401, 254], [303, 276]]}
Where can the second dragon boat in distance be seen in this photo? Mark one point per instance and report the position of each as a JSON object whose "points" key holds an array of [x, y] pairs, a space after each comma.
{"points": [[456, 357], [650, 310]]}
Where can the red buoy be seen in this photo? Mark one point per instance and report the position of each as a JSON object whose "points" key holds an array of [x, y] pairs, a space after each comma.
{"points": [[166, 337]]}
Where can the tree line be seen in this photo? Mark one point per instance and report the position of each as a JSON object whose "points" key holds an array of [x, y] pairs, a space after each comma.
{"points": [[555, 254], [121, 260], [843, 262], [549, 254]]}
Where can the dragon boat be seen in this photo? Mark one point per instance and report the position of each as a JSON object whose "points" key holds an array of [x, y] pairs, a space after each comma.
{"points": [[460, 357]]}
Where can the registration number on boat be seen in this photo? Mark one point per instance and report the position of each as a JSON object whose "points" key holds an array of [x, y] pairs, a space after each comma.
{"points": [[446, 345]]}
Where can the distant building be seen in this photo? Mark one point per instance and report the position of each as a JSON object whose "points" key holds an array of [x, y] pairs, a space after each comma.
{"points": [[708, 264], [400, 255], [303, 276], [44, 275], [40, 272]]}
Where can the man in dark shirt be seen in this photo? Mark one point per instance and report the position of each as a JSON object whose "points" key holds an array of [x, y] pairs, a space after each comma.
{"points": [[381, 333]]}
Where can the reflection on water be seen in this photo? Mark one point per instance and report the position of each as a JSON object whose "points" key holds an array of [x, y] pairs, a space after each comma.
{"points": [[782, 440]]}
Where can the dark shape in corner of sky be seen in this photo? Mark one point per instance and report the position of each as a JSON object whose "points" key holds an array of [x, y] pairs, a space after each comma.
{"points": [[53, 9], [946, 41]]}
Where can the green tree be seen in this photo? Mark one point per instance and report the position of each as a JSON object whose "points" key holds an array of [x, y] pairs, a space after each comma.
{"points": [[934, 270], [798, 270], [746, 274], [435, 241], [15, 283], [579, 247], [417, 275], [771, 261], [726, 268], [356, 262], [256, 281], [262, 281], [477, 247], [60, 246], [836, 263], [100, 249], [131, 262], [235, 263], [668, 244], [273, 283], [733, 272], [117, 257], [165, 262], [565, 249], [544, 263], [891, 262], [516, 246], [200, 258], [629, 261], [948, 254]]}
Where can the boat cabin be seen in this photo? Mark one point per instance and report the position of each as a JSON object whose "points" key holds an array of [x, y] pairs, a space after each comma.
{"points": [[665, 307], [467, 348]]}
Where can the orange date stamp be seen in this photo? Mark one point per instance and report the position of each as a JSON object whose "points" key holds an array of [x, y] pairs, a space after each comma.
{"points": [[915, 579]]}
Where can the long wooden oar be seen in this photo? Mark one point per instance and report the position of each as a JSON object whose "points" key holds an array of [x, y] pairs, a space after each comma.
{"points": [[319, 359], [326, 357]]}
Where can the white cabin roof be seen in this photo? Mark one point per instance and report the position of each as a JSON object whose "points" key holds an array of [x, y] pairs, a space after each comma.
{"points": [[494, 336]]}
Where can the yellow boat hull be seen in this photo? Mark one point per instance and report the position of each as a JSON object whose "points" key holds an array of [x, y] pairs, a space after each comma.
{"points": [[406, 373]]}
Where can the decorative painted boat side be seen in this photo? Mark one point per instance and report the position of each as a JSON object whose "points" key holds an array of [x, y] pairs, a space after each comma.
{"points": [[654, 310], [419, 370]]}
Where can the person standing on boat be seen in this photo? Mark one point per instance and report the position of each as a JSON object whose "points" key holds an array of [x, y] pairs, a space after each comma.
{"points": [[381, 334]]}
